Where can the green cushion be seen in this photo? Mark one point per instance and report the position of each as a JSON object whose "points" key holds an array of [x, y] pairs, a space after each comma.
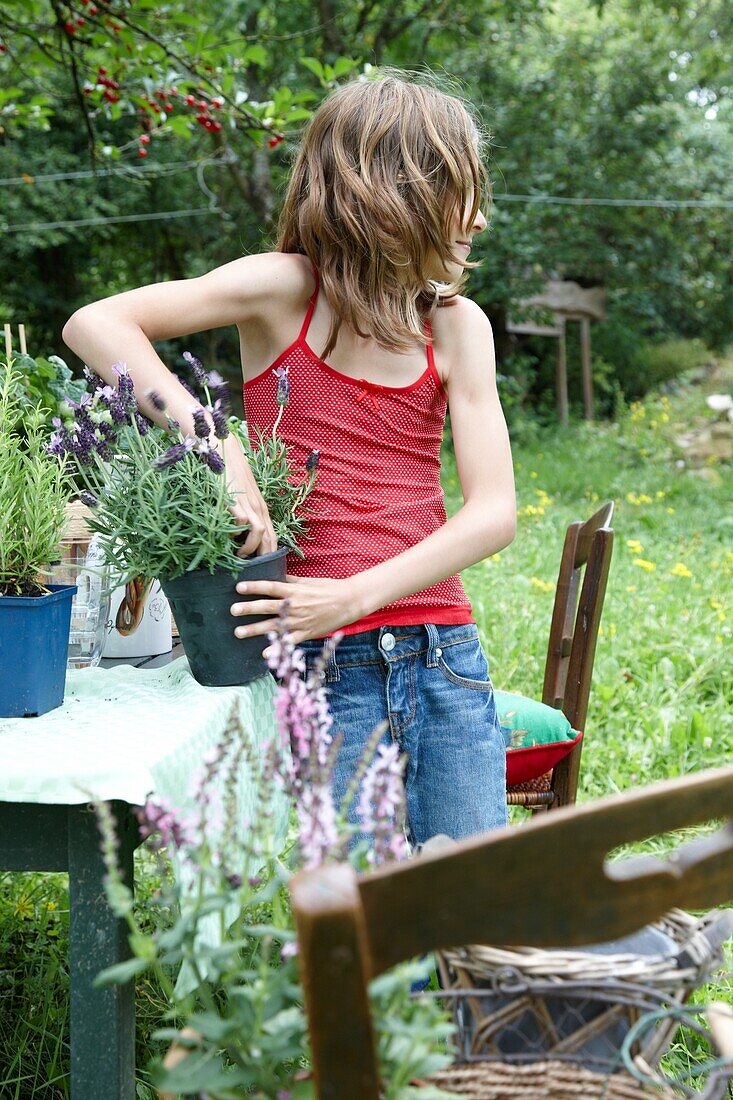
{"points": [[526, 722], [537, 737]]}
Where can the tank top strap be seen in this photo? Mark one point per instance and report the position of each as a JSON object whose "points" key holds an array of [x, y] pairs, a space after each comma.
{"points": [[429, 345], [311, 306]]}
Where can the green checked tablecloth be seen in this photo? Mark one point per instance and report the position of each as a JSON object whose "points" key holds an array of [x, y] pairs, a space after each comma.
{"points": [[125, 732]]}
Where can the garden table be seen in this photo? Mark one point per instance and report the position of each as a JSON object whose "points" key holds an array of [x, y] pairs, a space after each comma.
{"points": [[105, 743]]}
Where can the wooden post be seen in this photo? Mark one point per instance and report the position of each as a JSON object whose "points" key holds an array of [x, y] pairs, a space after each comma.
{"points": [[561, 379], [585, 363]]}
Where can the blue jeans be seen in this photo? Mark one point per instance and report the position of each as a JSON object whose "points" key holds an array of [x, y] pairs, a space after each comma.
{"points": [[431, 685]]}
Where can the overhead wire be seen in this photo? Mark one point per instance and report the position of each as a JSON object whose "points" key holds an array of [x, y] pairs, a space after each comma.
{"points": [[175, 167]]}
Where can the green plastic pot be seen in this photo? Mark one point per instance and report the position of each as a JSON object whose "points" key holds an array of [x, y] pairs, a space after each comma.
{"points": [[201, 603]]}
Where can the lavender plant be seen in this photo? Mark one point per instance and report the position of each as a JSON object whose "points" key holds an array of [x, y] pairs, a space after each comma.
{"points": [[33, 493], [159, 498], [242, 1033]]}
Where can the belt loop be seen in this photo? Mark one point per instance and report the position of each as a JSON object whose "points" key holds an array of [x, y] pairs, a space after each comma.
{"points": [[332, 669], [433, 645]]}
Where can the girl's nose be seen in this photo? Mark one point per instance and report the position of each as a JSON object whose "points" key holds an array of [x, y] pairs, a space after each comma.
{"points": [[480, 223]]}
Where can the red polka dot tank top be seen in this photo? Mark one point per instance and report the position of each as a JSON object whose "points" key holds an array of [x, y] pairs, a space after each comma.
{"points": [[377, 490]]}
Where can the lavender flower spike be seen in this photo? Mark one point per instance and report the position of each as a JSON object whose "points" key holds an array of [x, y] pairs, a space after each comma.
{"points": [[125, 387], [175, 453], [155, 400], [283, 386], [197, 367], [312, 461], [200, 423], [381, 808]]}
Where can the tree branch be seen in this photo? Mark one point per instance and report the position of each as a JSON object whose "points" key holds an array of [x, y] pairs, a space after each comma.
{"points": [[60, 20]]}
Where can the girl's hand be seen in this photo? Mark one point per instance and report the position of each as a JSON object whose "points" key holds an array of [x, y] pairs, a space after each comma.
{"points": [[316, 606], [248, 509]]}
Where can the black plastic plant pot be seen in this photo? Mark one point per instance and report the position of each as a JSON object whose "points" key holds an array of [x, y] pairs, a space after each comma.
{"points": [[201, 603], [34, 647]]}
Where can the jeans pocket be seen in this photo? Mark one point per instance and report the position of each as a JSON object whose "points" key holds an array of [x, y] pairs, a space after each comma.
{"points": [[465, 664]]}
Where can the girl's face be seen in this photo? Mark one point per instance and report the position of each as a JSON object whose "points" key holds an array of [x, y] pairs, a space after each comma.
{"points": [[460, 242]]}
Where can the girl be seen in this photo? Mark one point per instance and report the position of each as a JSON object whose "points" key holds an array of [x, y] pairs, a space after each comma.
{"points": [[359, 307]]}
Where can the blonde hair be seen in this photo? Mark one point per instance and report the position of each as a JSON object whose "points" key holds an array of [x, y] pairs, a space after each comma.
{"points": [[382, 168]]}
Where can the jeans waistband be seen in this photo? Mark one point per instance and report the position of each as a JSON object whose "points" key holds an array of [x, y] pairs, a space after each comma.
{"points": [[394, 643]]}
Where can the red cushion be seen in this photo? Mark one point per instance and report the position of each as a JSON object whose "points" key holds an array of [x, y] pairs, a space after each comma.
{"points": [[532, 762]]}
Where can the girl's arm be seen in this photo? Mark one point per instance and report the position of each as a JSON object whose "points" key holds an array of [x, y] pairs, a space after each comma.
{"points": [[482, 526], [122, 328]]}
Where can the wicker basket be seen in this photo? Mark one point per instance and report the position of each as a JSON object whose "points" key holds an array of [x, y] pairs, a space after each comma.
{"points": [[542, 1081], [525, 1005]]}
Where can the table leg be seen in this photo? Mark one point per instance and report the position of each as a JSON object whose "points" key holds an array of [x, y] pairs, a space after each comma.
{"points": [[102, 1019]]}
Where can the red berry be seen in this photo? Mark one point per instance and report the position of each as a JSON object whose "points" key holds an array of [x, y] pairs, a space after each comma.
{"points": [[274, 141], [87, 90], [3, 48], [202, 106], [190, 100], [144, 139], [102, 71], [216, 126], [69, 28], [80, 22], [169, 106], [93, 10], [116, 26], [142, 152], [217, 103], [202, 120]]}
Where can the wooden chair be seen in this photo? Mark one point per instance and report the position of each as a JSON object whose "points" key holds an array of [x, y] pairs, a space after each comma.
{"points": [[484, 890], [576, 617]]}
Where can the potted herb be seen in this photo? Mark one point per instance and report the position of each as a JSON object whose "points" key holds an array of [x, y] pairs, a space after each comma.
{"points": [[237, 1027], [161, 506], [34, 617]]}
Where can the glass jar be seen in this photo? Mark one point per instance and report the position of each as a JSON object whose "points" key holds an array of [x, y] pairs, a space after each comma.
{"points": [[84, 567]]}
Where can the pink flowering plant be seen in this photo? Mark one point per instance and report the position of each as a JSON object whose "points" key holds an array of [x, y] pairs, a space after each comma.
{"points": [[159, 497], [236, 1026]]}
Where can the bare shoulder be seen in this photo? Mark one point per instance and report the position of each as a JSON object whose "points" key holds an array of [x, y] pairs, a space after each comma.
{"points": [[463, 339], [259, 281]]}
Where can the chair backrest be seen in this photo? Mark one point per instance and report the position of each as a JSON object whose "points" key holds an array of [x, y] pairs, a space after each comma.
{"points": [[576, 615], [571, 650], [352, 928]]}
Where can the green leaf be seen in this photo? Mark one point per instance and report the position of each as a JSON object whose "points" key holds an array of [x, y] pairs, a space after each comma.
{"points": [[120, 972]]}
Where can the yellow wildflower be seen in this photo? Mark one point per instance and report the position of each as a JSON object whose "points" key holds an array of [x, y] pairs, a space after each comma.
{"points": [[544, 586], [24, 907], [631, 588], [51, 905], [660, 494], [664, 417], [533, 473], [670, 511], [634, 546], [680, 570], [638, 498], [649, 566]]}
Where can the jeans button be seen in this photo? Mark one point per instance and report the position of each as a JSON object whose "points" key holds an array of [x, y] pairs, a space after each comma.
{"points": [[438, 652], [387, 643]]}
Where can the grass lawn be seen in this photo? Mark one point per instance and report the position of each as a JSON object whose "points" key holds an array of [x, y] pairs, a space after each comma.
{"points": [[662, 689], [663, 682]]}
